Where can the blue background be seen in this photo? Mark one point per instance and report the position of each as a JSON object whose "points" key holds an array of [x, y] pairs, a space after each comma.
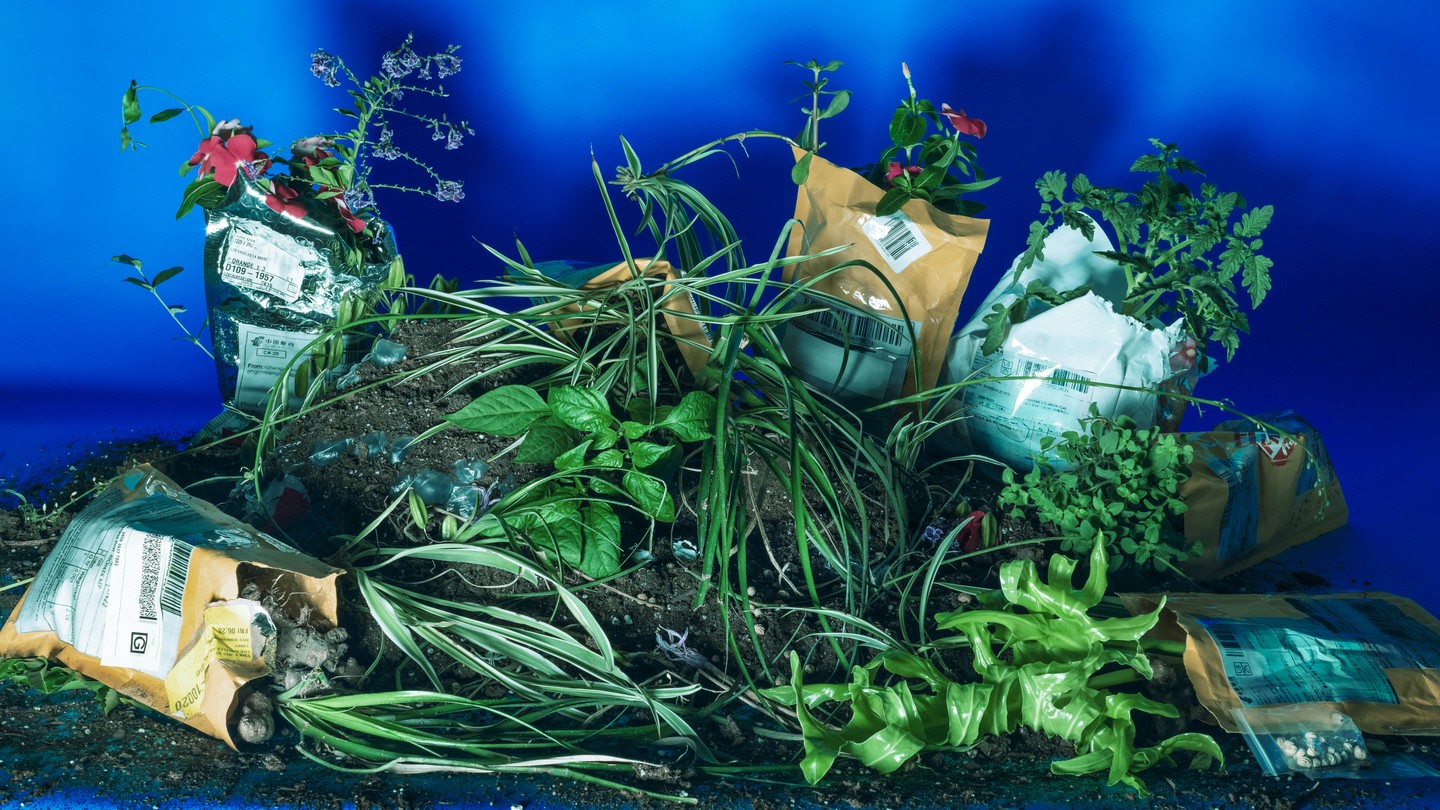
{"points": [[1322, 109]]}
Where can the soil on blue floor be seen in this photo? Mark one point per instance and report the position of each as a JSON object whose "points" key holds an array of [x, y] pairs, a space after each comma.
{"points": [[65, 749]]}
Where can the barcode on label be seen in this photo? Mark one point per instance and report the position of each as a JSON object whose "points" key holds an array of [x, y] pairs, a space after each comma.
{"points": [[1227, 641], [173, 593], [1055, 376], [857, 330], [896, 243], [898, 239]]}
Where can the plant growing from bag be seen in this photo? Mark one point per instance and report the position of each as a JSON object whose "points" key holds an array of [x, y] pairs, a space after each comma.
{"points": [[1111, 478], [294, 259], [899, 249], [1180, 251]]}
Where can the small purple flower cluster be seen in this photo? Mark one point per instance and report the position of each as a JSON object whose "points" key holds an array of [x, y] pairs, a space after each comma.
{"points": [[385, 147], [359, 198], [401, 62], [676, 649], [449, 191], [447, 64], [322, 66]]}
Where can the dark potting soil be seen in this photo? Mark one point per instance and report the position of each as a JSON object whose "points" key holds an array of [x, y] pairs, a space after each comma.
{"points": [[63, 750]]}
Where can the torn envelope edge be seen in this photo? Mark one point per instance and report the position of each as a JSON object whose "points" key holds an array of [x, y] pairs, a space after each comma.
{"points": [[1287, 495], [214, 574], [1416, 689]]}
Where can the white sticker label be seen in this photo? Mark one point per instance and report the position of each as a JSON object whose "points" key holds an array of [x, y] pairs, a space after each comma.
{"points": [[850, 353], [257, 260], [146, 589], [263, 355], [897, 237], [97, 582], [1019, 414]]}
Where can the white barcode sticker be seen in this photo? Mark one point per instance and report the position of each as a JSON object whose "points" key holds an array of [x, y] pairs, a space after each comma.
{"points": [[257, 259], [897, 237], [145, 592], [1020, 413], [853, 354]]}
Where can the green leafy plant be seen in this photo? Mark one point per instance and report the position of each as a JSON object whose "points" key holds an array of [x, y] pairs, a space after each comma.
{"points": [[903, 703], [48, 678], [1112, 478], [152, 286], [329, 172], [1180, 251], [594, 454], [935, 166]]}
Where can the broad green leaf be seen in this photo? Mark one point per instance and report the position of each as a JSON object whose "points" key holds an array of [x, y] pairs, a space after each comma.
{"points": [[574, 458], [509, 410], [601, 555], [693, 419], [801, 171], [648, 454], [165, 275], [611, 459], [544, 443], [166, 115], [130, 104], [650, 494], [580, 408]]}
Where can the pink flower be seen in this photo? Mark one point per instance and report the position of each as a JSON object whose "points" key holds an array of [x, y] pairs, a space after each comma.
{"points": [[962, 122], [894, 170], [284, 199], [224, 158]]}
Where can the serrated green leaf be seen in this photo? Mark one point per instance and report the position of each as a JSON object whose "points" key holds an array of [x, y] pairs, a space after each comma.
{"points": [[509, 410]]}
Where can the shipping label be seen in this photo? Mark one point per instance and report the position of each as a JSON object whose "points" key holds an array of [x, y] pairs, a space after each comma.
{"points": [[852, 353], [897, 237], [258, 259]]}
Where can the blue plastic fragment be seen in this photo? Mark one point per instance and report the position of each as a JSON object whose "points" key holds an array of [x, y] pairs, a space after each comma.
{"points": [[433, 487], [374, 444], [468, 470], [399, 447], [386, 353], [465, 501], [325, 451]]}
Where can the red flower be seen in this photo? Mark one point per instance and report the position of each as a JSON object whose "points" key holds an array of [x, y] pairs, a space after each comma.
{"points": [[356, 223], [226, 158], [895, 170], [284, 199], [971, 534], [962, 122]]}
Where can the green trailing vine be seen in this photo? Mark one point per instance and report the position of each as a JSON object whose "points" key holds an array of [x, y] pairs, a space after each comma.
{"points": [[902, 703]]}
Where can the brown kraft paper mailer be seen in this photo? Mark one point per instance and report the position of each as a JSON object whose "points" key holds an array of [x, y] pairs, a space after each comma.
{"points": [[1398, 699], [1250, 497], [934, 252], [680, 314], [220, 564]]}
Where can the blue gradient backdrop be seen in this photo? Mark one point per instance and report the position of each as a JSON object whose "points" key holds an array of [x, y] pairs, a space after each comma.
{"points": [[1323, 109]]}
